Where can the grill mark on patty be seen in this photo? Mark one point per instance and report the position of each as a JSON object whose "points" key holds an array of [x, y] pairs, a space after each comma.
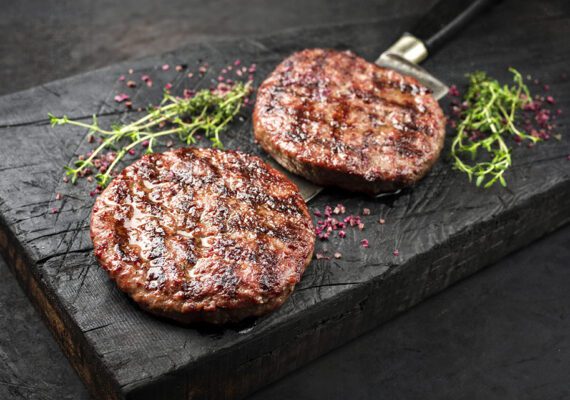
{"points": [[400, 85]]}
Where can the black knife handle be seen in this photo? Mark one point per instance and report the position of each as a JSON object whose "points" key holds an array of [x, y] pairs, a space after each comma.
{"points": [[444, 19]]}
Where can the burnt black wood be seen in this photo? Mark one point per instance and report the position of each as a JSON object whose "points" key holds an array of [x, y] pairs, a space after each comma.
{"points": [[445, 229]]}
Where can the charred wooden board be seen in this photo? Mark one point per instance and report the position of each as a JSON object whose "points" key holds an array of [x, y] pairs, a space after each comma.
{"points": [[445, 229]]}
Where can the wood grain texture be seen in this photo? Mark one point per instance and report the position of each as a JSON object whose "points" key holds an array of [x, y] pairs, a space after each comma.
{"points": [[445, 229]]}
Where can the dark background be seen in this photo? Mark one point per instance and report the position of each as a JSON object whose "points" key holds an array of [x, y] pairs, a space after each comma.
{"points": [[502, 334]]}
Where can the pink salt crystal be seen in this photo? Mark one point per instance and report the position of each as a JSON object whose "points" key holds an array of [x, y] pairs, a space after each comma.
{"points": [[341, 209], [165, 67], [121, 97], [366, 211], [364, 243], [453, 91]]}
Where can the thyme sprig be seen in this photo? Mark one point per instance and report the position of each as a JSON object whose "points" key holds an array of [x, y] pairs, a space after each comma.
{"points": [[490, 115], [207, 112]]}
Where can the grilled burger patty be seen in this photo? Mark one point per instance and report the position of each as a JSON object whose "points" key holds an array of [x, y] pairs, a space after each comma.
{"points": [[339, 120], [203, 235]]}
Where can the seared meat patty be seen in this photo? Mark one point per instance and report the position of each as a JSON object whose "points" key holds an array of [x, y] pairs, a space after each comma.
{"points": [[339, 120], [203, 235]]}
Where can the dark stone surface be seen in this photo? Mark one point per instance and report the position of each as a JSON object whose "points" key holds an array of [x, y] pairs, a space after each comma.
{"points": [[20, 373]]}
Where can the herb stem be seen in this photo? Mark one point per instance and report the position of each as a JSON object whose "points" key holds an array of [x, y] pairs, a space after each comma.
{"points": [[489, 117], [206, 111]]}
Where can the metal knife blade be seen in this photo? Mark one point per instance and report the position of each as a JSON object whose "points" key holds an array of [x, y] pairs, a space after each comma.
{"points": [[404, 57]]}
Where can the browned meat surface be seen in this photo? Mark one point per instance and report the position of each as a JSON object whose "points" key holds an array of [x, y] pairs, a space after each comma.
{"points": [[339, 120], [203, 235]]}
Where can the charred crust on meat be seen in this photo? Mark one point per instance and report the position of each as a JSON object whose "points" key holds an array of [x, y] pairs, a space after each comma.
{"points": [[202, 235], [339, 120]]}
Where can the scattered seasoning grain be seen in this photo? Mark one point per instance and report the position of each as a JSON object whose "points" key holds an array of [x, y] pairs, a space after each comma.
{"points": [[396, 252], [121, 97], [453, 91], [131, 71], [165, 67], [145, 78], [366, 211], [339, 209], [337, 255], [364, 243], [54, 210], [58, 196], [131, 84], [381, 221]]}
